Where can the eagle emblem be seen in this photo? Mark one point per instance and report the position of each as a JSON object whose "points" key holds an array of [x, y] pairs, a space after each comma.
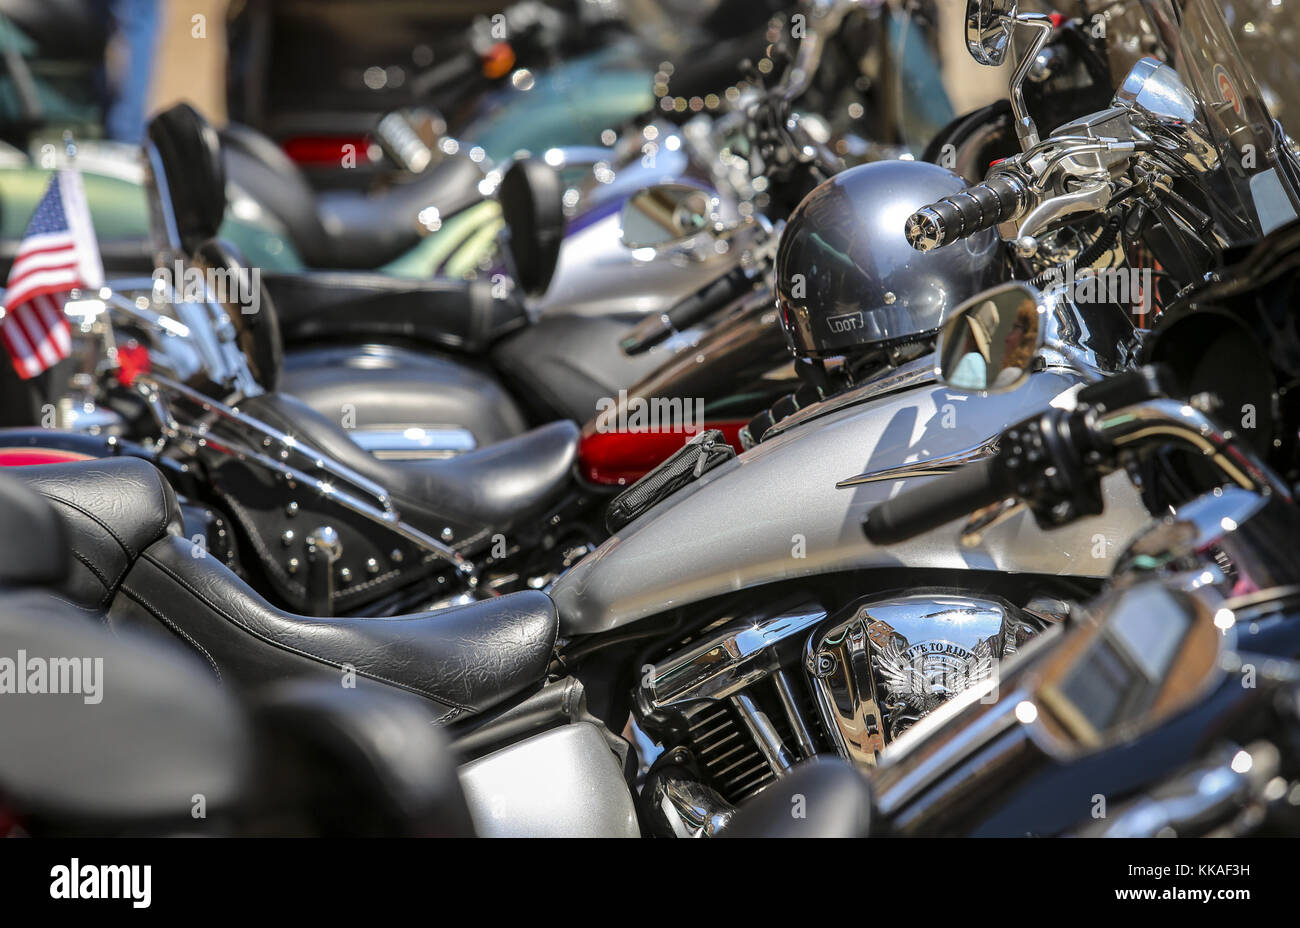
{"points": [[918, 678]]}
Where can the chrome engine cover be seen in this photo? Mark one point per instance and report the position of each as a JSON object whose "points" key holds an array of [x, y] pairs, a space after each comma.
{"points": [[883, 664], [734, 708]]}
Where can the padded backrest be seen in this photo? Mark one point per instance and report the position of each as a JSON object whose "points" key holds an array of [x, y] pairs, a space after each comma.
{"points": [[185, 179], [258, 166], [532, 205]]}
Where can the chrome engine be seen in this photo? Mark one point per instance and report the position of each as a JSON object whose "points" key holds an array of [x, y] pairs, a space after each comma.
{"points": [[738, 707]]}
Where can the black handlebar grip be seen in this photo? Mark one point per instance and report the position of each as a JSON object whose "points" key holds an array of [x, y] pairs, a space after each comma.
{"points": [[686, 312], [971, 487], [966, 212]]}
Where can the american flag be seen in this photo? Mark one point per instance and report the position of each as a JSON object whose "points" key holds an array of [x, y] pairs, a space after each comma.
{"points": [[58, 254]]}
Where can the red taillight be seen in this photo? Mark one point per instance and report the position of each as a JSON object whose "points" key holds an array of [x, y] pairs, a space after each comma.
{"points": [[29, 457], [328, 149], [622, 458]]}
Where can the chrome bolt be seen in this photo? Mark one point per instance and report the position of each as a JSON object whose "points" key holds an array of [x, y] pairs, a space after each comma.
{"points": [[293, 565], [326, 540], [395, 556], [372, 566], [446, 534], [345, 575], [287, 538], [291, 510]]}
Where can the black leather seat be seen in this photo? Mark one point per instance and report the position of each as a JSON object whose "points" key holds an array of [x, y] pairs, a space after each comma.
{"points": [[821, 798], [134, 568], [330, 766], [510, 483], [460, 315], [139, 734], [128, 753], [151, 729], [377, 386], [344, 229], [34, 544]]}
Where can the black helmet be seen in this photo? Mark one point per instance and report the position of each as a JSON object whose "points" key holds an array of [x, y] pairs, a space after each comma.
{"points": [[846, 276]]}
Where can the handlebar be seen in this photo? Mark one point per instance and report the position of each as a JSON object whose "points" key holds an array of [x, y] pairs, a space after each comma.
{"points": [[932, 504], [981, 206], [687, 311], [1054, 462]]}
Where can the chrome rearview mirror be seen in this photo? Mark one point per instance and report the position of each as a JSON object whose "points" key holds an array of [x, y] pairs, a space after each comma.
{"points": [[989, 24], [988, 344], [666, 214], [988, 29]]}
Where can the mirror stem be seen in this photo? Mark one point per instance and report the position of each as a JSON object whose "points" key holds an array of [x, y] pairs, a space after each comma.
{"points": [[1026, 131]]}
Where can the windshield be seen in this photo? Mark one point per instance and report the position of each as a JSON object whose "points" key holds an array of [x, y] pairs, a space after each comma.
{"points": [[1250, 186]]}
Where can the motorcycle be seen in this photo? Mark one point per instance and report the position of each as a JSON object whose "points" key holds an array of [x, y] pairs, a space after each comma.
{"points": [[387, 541], [174, 752], [1144, 713], [749, 650]]}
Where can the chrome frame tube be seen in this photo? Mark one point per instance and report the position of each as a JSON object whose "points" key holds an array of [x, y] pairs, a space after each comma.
{"points": [[153, 386]]}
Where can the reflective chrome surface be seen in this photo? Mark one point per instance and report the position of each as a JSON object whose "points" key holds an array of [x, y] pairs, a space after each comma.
{"points": [[724, 664], [686, 808], [1212, 793], [1137, 658], [1232, 529], [988, 29], [1161, 104], [726, 704], [563, 783], [414, 443], [891, 661], [989, 342]]}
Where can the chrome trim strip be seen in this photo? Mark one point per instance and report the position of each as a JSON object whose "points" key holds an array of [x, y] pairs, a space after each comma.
{"points": [[930, 467], [152, 387]]}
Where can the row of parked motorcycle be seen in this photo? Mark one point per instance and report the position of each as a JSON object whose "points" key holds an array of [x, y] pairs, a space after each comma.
{"points": [[938, 491]]}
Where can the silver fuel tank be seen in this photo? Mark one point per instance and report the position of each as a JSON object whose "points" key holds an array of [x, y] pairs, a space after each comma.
{"points": [[775, 512]]}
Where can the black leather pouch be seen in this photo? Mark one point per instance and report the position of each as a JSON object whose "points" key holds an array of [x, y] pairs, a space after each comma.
{"points": [[690, 462]]}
